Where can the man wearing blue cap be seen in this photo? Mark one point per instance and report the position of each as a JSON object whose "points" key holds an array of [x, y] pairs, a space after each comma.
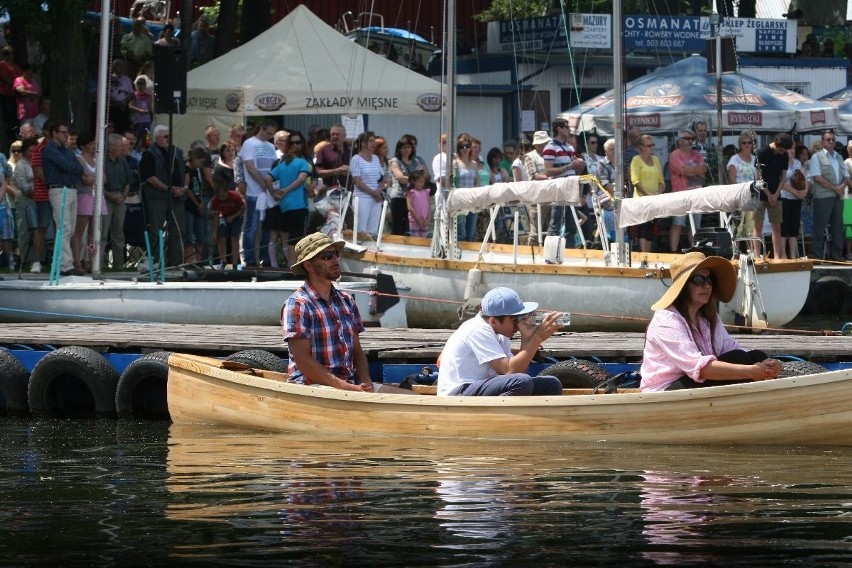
{"points": [[478, 361]]}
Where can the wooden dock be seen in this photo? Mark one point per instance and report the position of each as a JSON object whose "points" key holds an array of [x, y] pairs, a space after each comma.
{"points": [[383, 345]]}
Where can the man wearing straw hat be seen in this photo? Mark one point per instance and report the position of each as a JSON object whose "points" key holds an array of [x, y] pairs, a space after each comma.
{"points": [[322, 324], [686, 344]]}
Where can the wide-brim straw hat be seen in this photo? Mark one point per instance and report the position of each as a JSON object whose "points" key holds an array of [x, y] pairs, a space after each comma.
{"points": [[309, 247], [682, 269]]}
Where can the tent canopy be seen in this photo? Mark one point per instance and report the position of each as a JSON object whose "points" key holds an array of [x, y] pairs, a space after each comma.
{"points": [[676, 96], [303, 66], [842, 101]]}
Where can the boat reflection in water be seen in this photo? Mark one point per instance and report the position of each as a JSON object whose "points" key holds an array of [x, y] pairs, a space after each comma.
{"points": [[378, 501]]}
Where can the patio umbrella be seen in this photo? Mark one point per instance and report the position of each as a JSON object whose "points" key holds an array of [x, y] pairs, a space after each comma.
{"points": [[680, 94], [842, 101]]}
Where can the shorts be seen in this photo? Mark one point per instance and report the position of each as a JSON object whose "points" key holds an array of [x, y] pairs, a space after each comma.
{"points": [[774, 213], [230, 230], [791, 217], [44, 214], [295, 223], [683, 221], [274, 220], [86, 204], [196, 229], [645, 230], [7, 224]]}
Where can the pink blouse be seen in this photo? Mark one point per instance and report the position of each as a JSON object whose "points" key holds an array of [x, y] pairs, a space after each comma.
{"points": [[671, 351]]}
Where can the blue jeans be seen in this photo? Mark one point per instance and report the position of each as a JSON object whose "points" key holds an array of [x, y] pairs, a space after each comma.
{"points": [[467, 227], [513, 384], [250, 233]]}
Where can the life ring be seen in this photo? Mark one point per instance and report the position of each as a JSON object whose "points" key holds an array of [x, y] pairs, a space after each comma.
{"points": [[13, 386], [73, 381], [141, 391], [577, 373], [259, 359], [799, 368]]}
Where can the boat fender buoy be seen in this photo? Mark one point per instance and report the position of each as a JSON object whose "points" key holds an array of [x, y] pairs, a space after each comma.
{"points": [[577, 373], [473, 285], [73, 381], [13, 386], [141, 391], [259, 359]]}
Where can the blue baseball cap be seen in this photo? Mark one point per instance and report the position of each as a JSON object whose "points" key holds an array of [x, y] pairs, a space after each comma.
{"points": [[505, 302]]}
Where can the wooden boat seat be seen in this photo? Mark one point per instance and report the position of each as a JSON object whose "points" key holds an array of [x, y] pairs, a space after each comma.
{"points": [[433, 390]]}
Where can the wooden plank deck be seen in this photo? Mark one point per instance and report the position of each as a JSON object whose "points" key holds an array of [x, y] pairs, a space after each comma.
{"points": [[386, 345]]}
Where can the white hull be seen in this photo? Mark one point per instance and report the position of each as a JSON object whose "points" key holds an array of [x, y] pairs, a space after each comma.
{"points": [[77, 299], [599, 297]]}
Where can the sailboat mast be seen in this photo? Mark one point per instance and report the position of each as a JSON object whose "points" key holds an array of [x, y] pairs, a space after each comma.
{"points": [[450, 62], [100, 130], [618, 126]]}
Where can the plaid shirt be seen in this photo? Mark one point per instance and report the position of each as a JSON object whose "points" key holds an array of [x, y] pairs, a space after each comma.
{"points": [[330, 326]]}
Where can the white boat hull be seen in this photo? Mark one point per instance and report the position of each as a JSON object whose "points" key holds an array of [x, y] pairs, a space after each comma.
{"points": [[76, 299], [598, 297]]}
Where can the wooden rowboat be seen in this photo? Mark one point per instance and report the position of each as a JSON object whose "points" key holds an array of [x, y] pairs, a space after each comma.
{"points": [[803, 410]]}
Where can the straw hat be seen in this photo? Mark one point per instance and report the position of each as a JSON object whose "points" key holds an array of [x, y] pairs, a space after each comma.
{"points": [[309, 247], [540, 137], [683, 268]]}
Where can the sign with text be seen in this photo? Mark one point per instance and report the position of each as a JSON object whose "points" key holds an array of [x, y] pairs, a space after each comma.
{"points": [[642, 32]]}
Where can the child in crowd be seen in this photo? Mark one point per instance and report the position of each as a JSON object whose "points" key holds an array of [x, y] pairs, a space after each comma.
{"points": [[196, 213], [230, 206], [140, 106], [417, 198]]}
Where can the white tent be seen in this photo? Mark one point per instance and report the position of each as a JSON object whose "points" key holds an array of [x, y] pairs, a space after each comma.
{"points": [[301, 66]]}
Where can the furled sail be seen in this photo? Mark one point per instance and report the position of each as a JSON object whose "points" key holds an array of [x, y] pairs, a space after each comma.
{"points": [[563, 191], [711, 199]]}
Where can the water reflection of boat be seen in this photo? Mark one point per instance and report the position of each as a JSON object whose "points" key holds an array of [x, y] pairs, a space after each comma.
{"points": [[806, 410]]}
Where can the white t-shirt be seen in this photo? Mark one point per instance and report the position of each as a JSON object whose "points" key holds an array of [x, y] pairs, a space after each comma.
{"points": [[467, 355], [519, 163], [263, 155]]}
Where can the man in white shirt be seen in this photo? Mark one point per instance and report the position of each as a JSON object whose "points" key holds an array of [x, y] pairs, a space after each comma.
{"points": [[257, 155], [478, 361]]}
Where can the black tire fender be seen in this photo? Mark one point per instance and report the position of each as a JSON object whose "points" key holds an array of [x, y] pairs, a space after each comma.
{"points": [[577, 373], [141, 391], [259, 359], [799, 368], [73, 381], [13, 386]]}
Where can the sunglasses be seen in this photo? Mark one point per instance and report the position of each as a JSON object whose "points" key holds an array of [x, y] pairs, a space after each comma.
{"points": [[829, 140], [328, 255], [17, 151], [464, 146], [748, 142], [701, 280]]}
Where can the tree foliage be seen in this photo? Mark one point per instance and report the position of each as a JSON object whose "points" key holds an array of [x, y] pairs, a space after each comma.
{"points": [[503, 10]]}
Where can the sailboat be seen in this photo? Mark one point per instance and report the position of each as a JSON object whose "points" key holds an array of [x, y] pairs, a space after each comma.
{"points": [[609, 289]]}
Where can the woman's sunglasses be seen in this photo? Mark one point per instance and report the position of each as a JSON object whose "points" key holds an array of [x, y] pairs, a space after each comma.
{"points": [[701, 280]]}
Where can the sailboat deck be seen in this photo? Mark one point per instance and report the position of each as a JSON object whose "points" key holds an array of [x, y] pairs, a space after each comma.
{"points": [[381, 345]]}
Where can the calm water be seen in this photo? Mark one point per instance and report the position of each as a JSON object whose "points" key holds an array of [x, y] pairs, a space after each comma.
{"points": [[101, 493]]}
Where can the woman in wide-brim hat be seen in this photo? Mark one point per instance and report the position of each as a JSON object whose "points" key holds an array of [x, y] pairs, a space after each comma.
{"points": [[686, 344]]}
